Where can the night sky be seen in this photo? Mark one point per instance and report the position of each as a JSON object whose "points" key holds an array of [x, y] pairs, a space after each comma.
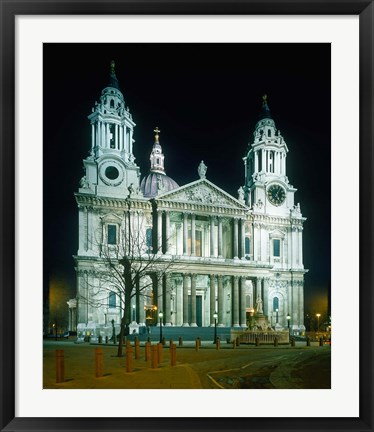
{"points": [[205, 99]]}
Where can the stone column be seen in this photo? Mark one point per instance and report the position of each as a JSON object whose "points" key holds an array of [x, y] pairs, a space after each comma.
{"points": [[107, 140], [185, 233], [167, 232], [185, 300], [300, 246], [236, 232], [193, 300], [212, 298], [125, 146], [159, 231], [256, 162], [167, 301], [220, 243], [193, 234], [243, 320], [212, 240], [265, 298], [295, 303], [116, 137], [242, 238], [130, 143], [221, 312], [235, 301], [92, 136], [301, 303]]}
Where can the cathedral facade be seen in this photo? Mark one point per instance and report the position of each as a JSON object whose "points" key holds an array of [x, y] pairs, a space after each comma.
{"points": [[216, 258]]}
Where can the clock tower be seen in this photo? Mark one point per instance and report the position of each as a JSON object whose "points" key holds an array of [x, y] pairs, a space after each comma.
{"points": [[266, 184], [110, 169]]}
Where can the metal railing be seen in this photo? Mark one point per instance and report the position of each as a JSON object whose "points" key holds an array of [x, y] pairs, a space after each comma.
{"points": [[263, 337]]}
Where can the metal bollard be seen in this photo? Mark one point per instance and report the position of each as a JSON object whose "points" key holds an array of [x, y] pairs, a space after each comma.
{"points": [[180, 340], [154, 356], [159, 351], [308, 341], [60, 367], [98, 362], [147, 351], [100, 339], [106, 339], [237, 341], [148, 339], [218, 343], [257, 341], [128, 358], [233, 344], [114, 340], [321, 341], [173, 355], [164, 341], [275, 341], [292, 342]]}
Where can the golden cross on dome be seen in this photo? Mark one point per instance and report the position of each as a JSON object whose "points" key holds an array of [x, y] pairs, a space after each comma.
{"points": [[157, 131]]}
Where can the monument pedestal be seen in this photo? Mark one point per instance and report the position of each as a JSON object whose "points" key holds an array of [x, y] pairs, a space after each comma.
{"points": [[261, 320]]}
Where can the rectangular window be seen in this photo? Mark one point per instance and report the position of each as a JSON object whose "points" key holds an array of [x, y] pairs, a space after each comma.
{"points": [[112, 234], [247, 246], [148, 239], [112, 300], [276, 247], [198, 243]]}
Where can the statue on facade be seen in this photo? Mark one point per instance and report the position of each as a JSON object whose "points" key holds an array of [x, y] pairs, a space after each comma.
{"points": [[84, 183], [131, 189], [259, 309], [202, 170], [241, 194]]}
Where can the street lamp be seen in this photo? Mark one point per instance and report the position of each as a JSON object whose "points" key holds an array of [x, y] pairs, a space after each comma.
{"points": [[133, 313], [288, 322], [318, 315], [160, 315], [215, 316]]}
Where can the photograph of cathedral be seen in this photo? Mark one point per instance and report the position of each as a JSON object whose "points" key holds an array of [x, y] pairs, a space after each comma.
{"points": [[195, 250]]}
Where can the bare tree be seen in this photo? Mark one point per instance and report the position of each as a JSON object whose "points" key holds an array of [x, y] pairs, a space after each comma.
{"points": [[123, 264]]}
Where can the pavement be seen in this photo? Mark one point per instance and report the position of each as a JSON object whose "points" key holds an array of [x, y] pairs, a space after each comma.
{"points": [[239, 367]]}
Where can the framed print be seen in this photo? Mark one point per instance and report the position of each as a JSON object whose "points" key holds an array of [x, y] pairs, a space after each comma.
{"points": [[210, 266]]}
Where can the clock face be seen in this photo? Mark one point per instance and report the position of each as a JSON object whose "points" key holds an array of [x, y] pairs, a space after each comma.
{"points": [[276, 194], [111, 173]]}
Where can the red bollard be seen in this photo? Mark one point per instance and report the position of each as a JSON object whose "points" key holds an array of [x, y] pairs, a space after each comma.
{"points": [[159, 351], [218, 343], [128, 358], [137, 348], [147, 351], [173, 355], [60, 367], [154, 356], [98, 362]]}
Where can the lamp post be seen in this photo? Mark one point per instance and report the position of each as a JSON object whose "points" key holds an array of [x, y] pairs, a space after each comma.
{"points": [[288, 322], [318, 315], [215, 316], [160, 315], [133, 313]]}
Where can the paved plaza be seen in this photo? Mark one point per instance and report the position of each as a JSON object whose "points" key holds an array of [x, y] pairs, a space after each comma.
{"points": [[242, 367]]}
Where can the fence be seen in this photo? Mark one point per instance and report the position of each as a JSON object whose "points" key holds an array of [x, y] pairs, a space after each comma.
{"points": [[263, 337]]}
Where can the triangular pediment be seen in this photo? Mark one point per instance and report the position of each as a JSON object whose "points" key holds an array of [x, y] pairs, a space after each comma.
{"points": [[202, 192]]}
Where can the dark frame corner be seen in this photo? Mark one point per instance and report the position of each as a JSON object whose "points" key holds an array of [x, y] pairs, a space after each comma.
{"points": [[9, 9]]}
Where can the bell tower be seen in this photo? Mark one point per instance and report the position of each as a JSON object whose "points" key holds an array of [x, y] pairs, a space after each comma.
{"points": [[266, 185], [110, 168]]}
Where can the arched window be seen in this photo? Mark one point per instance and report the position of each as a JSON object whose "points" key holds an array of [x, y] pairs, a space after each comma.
{"points": [[112, 299], [275, 303], [269, 132]]}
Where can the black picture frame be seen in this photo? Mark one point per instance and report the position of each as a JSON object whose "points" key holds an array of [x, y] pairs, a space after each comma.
{"points": [[9, 9]]}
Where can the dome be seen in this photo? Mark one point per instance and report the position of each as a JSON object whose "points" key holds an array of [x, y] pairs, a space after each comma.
{"points": [[156, 183]]}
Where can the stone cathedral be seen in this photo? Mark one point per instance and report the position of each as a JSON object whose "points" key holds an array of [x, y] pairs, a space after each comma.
{"points": [[231, 259]]}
